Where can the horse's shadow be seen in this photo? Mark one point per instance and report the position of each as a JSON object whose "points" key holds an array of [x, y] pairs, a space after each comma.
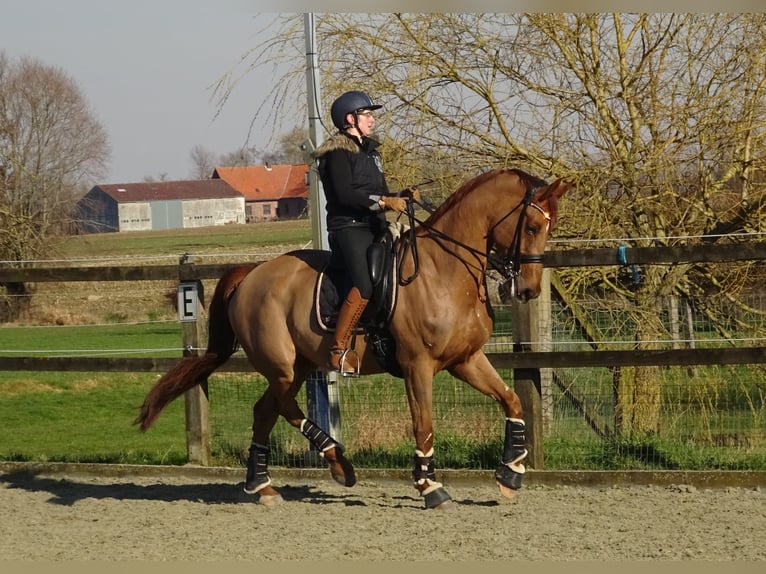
{"points": [[68, 491]]}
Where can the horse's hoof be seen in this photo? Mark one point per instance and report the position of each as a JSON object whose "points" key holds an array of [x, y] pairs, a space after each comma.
{"points": [[506, 477], [342, 470], [270, 499], [345, 479], [252, 487], [445, 506], [507, 492], [437, 499]]}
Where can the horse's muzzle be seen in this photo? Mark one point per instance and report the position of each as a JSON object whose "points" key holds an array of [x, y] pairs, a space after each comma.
{"points": [[510, 288]]}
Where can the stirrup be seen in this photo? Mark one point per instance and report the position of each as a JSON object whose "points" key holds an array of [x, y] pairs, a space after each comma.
{"points": [[343, 354]]}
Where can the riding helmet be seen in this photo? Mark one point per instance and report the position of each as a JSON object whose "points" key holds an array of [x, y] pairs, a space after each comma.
{"points": [[350, 103]]}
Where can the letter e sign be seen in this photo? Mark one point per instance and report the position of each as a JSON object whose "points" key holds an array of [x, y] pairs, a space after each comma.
{"points": [[187, 301]]}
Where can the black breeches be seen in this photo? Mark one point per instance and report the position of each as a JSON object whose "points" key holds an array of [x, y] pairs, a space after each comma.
{"points": [[349, 245]]}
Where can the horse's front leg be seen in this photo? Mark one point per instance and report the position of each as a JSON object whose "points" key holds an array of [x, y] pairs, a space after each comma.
{"points": [[481, 375], [419, 387]]}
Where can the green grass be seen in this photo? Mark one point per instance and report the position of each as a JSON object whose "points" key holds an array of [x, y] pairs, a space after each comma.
{"points": [[468, 430], [121, 339], [88, 419]]}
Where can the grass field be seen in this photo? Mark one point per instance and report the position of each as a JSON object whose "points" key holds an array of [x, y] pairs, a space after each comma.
{"points": [[83, 416], [225, 241]]}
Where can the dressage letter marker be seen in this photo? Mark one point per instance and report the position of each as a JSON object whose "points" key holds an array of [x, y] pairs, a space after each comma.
{"points": [[187, 302]]}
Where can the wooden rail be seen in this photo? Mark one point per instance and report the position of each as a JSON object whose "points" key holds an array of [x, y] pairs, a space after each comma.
{"points": [[564, 258], [519, 360]]}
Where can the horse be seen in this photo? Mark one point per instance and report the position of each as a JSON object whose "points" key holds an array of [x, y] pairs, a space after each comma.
{"points": [[499, 221]]}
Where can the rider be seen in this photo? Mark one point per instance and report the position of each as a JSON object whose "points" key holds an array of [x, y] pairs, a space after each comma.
{"points": [[351, 171]]}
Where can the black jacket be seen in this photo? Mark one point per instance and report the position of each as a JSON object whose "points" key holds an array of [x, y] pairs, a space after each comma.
{"points": [[353, 181]]}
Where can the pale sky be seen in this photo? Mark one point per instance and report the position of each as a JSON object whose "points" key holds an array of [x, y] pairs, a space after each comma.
{"points": [[146, 68]]}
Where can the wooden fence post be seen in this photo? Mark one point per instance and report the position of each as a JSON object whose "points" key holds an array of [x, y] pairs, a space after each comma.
{"points": [[541, 330], [527, 381], [195, 399]]}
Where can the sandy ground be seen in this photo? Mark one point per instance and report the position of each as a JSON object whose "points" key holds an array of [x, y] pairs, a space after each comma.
{"points": [[159, 518]]}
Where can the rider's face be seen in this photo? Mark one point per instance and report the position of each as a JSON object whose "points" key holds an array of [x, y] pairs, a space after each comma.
{"points": [[366, 121]]}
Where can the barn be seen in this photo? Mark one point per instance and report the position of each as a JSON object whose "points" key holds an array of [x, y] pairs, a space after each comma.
{"points": [[271, 191], [160, 205]]}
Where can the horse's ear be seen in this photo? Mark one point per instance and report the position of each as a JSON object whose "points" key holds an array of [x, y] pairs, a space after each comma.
{"points": [[551, 195], [555, 189], [562, 187]]}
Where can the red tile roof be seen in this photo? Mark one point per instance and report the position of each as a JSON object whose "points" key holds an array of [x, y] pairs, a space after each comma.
{"points": [[169, 190], [262, 183]]}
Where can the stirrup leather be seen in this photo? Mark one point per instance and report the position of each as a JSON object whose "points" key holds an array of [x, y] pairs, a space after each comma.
{"points": [[344, 353]]}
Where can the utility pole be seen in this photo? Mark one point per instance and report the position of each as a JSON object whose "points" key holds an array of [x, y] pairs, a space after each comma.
{"points": [[316, 197], [322, 394]]}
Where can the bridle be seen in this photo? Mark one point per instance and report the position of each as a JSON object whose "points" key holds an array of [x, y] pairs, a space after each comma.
{"points": [[509, 265]]}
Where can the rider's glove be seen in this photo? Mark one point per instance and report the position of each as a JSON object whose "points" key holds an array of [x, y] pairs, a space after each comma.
{"points": [[398, 204]]}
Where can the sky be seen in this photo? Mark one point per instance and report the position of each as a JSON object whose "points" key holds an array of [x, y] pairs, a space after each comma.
{"points": [[146, 68]]}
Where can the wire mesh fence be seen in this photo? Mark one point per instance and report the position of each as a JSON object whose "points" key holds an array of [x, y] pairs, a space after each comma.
{"points": [[710, 417]]}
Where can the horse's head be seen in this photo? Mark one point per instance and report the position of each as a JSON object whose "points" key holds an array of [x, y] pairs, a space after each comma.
{"points": [[519, 237]]}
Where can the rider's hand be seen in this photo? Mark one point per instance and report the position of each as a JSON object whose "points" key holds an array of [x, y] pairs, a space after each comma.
{"points": [[398, 204], [412, 193]]}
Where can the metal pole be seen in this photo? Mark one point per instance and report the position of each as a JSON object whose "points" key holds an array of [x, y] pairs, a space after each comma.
{"points": [[316, 197], [321, 389]]}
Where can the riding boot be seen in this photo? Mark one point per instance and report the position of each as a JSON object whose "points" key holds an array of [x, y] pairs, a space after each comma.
{"points": [[350, 312]]}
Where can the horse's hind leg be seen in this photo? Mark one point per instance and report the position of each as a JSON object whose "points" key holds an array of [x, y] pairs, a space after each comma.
{"points": [[329, 449], [281, 401], [257, 480]]}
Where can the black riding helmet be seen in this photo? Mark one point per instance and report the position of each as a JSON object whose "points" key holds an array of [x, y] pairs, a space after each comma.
{"points": [[350, 103]]}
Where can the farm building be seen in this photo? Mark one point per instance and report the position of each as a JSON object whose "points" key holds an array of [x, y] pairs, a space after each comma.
{"points": [[160, 205], [270, 191]]}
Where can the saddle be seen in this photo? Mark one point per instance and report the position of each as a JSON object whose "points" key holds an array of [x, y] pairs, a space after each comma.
{"points": [[333, 283]]}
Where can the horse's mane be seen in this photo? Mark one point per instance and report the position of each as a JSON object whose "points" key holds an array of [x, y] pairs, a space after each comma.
{"points": [[529, 182]]}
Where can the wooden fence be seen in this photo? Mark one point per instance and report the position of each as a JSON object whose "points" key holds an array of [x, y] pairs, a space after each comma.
{"points": [[524, 362]]}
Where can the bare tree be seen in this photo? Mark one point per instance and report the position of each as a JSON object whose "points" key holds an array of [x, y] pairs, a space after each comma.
{"points": [[288, 151], [240, 157], [203, 162], [659, 119], [289, 148], [51, 145]]}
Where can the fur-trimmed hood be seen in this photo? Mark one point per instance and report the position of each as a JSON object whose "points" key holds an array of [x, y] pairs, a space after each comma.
{"points": [[341, 141]]}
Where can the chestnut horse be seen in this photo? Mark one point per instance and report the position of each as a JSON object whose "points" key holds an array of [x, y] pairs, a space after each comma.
{"points": [[442, 318]]}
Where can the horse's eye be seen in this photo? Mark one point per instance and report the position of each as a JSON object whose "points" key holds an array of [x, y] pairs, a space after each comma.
{"points": [[532, 230]]}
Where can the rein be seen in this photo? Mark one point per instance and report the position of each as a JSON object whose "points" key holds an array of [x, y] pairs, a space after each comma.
{"points": [[509, 267]]}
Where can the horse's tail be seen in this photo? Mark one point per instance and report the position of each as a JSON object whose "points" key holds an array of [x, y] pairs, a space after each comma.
{"points": [[193, 370]]}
